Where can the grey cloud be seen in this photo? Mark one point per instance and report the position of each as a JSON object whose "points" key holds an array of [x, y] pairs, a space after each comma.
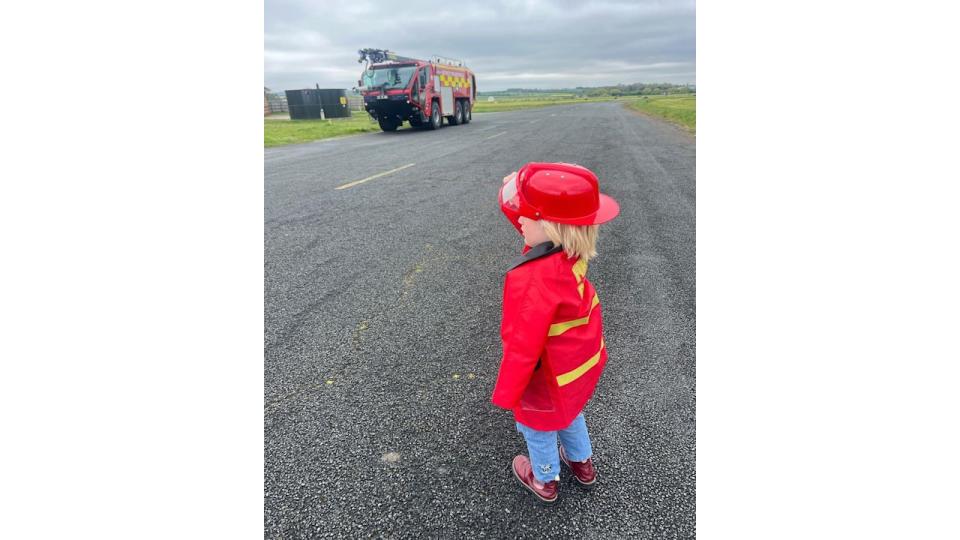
{"points": [[560, 43]]}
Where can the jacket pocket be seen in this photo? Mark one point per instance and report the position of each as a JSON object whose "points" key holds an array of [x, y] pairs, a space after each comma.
{"points": [[536, 397]]}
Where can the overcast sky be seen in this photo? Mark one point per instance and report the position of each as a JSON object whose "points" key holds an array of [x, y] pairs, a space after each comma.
{"points": [[507, 43]]}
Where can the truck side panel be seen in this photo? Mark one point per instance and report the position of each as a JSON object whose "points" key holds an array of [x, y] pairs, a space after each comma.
{"points": [[459, 80], [446, 100]]}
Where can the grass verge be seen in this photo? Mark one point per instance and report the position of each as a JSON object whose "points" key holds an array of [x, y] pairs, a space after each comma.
{"points": [[679, 110], [278, 132], [513, 104]]}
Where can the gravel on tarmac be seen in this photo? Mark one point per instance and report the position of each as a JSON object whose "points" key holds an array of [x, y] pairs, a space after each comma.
{"points": [[381, 332]]}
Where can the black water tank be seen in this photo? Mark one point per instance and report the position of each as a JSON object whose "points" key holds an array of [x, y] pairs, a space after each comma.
{"points": [[306, 104], [334, 102], [303, 104]]}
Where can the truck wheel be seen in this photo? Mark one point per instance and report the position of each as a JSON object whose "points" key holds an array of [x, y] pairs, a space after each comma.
{"points": [[387, 124], [457, 117], [467, 114], [436, 121]]}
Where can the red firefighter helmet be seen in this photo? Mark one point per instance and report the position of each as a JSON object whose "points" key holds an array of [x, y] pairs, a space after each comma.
{"points": [[557, 192]]}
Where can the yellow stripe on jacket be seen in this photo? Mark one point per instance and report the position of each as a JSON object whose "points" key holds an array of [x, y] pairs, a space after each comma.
{"points": [[559, 328], [576, 373]]}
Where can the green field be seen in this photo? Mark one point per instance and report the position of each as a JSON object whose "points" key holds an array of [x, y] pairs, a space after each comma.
{"points": [[680, 110], [511, 103], [277, 132]]}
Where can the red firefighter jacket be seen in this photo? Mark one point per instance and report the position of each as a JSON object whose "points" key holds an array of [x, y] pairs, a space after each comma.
{"points": [[552, 332]]}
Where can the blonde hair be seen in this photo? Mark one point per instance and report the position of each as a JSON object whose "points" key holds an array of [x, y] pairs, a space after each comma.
{"points": [[577, 240]]}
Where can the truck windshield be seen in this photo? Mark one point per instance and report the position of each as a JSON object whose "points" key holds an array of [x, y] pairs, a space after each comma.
{"points": [[389, 77]]}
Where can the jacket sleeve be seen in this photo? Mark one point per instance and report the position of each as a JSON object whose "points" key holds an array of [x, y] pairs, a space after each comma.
{"points": [[528, 309]]}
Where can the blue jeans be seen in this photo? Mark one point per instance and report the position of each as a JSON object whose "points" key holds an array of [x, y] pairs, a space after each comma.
{"points": [[542, 447]]}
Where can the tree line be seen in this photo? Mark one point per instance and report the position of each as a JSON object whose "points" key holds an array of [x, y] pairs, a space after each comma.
{"points": [[635, 89]]}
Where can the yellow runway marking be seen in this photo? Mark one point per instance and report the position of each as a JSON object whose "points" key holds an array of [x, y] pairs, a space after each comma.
{"points": [[369, 178], [497, 135]]}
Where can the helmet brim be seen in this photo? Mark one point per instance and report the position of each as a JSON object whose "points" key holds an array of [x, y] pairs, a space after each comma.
{"points": [[607, 210]]}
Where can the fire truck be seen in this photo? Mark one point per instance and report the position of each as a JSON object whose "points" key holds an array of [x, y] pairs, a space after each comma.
{"points": [[397, 89]]}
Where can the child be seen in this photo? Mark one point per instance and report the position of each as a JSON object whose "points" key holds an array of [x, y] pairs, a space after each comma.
{"points": [[552, 331]]}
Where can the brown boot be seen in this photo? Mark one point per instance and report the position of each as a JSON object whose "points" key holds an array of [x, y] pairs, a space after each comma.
{"points": [[582, 471], [546, 492]]}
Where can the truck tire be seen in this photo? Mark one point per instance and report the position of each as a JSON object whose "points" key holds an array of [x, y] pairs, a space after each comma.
{"points": [[457, 117], [436, 121], [387, 124], [467, 113]]}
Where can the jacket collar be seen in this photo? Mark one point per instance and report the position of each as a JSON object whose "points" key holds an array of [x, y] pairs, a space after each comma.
{"points": [[537, 251]]}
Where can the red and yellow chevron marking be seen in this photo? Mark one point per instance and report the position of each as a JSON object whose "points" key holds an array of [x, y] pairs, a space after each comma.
{"points": [[454, 81]]}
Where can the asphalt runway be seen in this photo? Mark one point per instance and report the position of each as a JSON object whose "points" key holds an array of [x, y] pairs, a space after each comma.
{"points": [[382, 312]]}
